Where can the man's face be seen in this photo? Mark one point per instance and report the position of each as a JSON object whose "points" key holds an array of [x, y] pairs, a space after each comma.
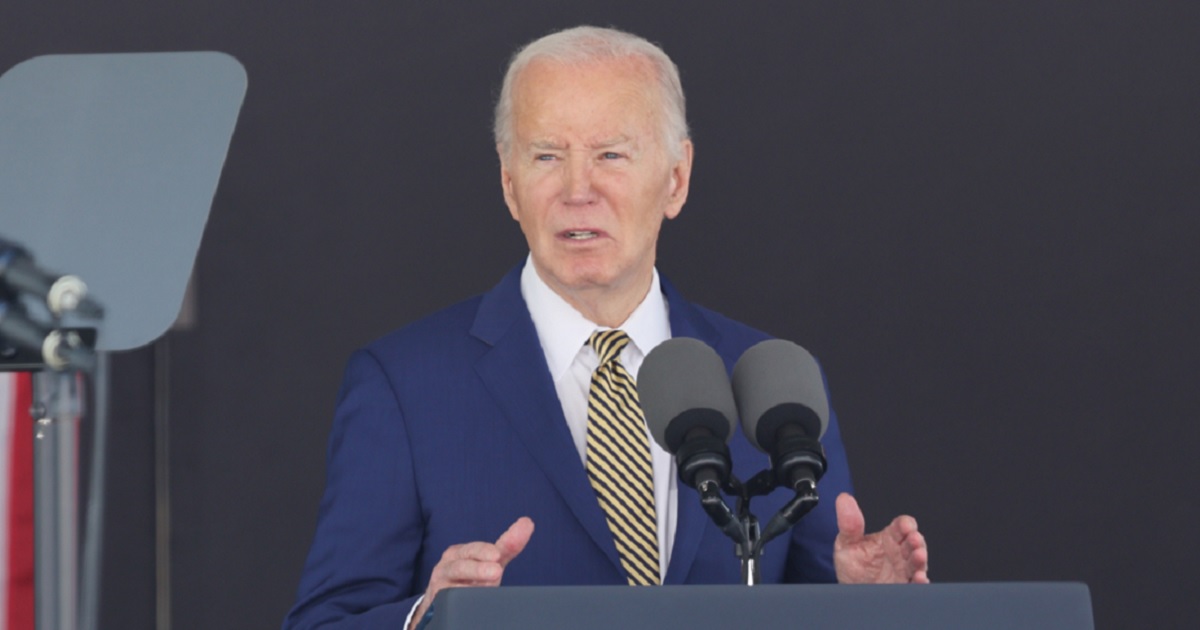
{"points": [[588, 176]]}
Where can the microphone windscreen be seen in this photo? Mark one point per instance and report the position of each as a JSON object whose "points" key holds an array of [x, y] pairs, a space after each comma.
{"points": [[778, 383], [684, 379]]}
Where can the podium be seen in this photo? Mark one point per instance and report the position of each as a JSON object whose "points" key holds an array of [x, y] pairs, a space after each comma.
{"points": [[983, 606]]}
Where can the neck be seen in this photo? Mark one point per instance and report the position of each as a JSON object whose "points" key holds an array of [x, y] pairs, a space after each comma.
{"points": [[605, 306]]}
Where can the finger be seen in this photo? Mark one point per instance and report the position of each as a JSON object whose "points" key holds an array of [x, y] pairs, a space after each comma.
{"points": [[909, 543], [901, 527], [470, 573], [914, 553], [899, 530], [919, 559], [851, 523], [920, 577], [915, 542], [513, 541], [420, 611], [481, 551]]}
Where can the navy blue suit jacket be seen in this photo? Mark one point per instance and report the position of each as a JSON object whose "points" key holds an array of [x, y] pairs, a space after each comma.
{"points": [[450, 429]]}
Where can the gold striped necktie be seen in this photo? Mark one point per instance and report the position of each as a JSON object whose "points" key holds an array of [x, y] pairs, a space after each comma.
{"points": [[618, 460]]}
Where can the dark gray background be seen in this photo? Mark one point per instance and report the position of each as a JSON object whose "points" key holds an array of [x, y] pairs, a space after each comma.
{"points": [[980, 216]]}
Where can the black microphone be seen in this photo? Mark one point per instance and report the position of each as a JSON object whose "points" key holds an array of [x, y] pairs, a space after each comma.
{"points": [[61, 293], [684, 392], [781, 400], [685, 395]]}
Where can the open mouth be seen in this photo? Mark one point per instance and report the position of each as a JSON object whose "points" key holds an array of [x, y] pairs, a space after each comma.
{"points": [[581, 235]]}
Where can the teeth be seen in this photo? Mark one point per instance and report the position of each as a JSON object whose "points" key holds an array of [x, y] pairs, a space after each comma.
{"points": [[581, 235]]}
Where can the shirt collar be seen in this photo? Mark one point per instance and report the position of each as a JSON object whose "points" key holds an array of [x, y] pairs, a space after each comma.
{"points": [[563, 331]]}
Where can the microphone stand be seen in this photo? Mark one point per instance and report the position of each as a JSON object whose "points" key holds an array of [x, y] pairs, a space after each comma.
{"points": [[703, 463], [743, 528], [805, 500]]}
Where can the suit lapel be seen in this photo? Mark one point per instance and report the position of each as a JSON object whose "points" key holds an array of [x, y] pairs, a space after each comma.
{"points": [[690, 519], [515, 373]]}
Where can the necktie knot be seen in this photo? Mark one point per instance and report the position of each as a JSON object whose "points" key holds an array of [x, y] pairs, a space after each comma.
{"points": [[608, 344]]}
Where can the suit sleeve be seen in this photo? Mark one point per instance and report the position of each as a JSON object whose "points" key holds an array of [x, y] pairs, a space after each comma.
{"points": [[361, 570]]}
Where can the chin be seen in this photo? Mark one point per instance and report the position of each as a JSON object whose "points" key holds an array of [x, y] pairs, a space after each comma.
{"points": [[582, 281], [579, 271], [581, 278]]}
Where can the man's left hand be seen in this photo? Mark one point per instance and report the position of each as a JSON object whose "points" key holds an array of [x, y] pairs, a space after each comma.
{"points": [[895, 555]]}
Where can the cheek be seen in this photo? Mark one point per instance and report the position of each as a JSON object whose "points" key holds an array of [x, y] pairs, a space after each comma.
{"points": [[527, 191], [653, 201], [540, 188]]}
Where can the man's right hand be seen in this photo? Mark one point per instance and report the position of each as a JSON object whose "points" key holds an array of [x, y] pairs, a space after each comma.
{"points": [[475, 564]]}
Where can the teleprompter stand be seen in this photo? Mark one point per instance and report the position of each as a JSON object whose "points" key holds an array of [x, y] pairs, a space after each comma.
{"points": [[108, 167]]}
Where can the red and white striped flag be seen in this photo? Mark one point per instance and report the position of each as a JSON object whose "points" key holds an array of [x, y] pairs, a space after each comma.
{"points": [[16, 503]]}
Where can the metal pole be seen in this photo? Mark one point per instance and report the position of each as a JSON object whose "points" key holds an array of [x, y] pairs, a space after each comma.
{"points": [[162, 484], [91, 558], [57, 408]]}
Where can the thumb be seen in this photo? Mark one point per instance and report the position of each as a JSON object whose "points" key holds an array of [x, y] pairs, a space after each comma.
{"points": [[513, 541], [851, 523]]}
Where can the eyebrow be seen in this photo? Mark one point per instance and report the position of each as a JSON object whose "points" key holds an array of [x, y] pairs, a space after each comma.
{"points": [[545, 145], [612, 142], [548, 145]]}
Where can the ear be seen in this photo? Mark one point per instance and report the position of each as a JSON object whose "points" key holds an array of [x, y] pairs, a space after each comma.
{"points": [[681, 178], [506, 183]]}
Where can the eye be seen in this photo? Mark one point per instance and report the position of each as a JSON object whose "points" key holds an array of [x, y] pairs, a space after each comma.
{"points": [[611, 155], [544, 157]]}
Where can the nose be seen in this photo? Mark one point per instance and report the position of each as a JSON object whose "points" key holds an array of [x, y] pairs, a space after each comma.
{"points": [[577, 181]]}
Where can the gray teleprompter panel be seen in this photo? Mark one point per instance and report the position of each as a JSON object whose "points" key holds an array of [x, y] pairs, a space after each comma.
{"points": [[108, 167]]}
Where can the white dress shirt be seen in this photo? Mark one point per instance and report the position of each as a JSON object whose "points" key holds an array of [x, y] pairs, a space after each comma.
{"points": [[563, 333]]}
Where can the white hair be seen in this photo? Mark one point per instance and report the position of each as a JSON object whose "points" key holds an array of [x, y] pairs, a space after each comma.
{"points": [[586, 44]]}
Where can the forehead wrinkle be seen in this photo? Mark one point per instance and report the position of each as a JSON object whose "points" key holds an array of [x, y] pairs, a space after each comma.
{"points": [[606, 143], [612, 142], [546, 144], [548, 118]]}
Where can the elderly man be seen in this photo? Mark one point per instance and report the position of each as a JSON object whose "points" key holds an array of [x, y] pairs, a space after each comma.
{"points": [[513, 409]]}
